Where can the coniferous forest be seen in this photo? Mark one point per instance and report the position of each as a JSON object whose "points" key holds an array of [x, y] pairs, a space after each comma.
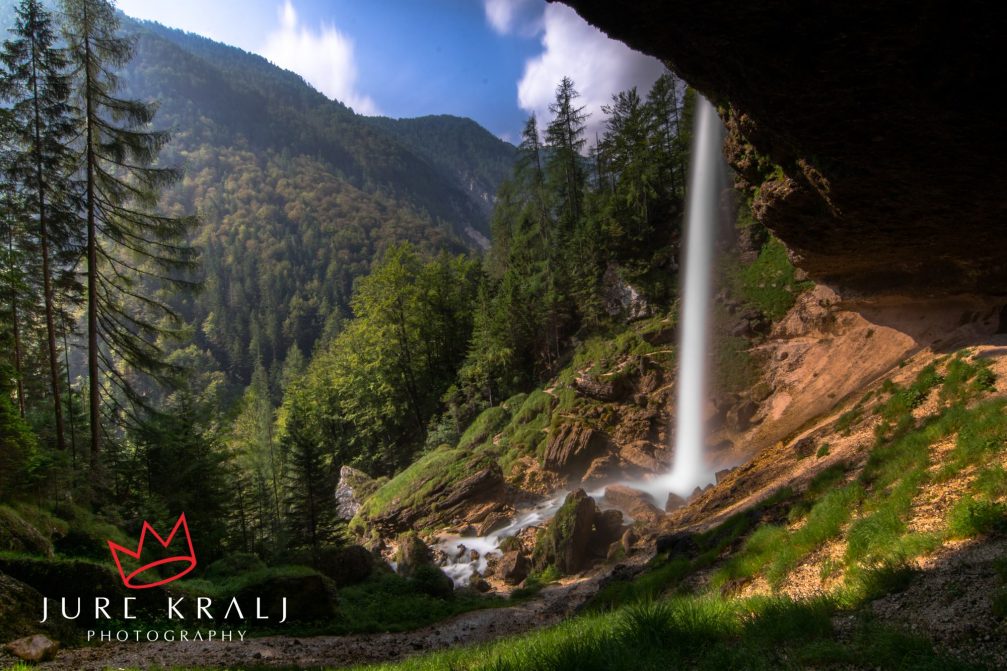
{"points": [[214, 317], [706, 373]]}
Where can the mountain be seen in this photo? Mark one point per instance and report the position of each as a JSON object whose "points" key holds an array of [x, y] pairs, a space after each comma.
{"points": [[297, 193]]}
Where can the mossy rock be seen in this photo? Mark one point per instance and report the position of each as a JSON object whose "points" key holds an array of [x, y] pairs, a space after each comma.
{"points": [[565, 541], [77, 578], [311, 597], [432, 581], [345, 565], [17, 535], [412, 553], [233, 565], [19, 609]]}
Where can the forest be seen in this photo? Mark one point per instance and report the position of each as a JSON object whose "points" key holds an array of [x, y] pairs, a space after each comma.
{"points": [[172, 345]]}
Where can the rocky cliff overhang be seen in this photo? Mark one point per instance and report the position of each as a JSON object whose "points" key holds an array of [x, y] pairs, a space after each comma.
{"points": [[881, 114]]}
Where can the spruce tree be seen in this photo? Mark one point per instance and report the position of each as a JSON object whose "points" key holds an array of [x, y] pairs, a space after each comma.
{"points": [[130, 249], [36, 84], [565, 137]]}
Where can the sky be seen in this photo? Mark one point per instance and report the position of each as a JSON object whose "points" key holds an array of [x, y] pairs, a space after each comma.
{"points": [[495, 61]]}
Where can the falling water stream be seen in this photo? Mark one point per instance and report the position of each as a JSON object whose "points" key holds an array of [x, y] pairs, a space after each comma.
{"points": [[690, 468]]}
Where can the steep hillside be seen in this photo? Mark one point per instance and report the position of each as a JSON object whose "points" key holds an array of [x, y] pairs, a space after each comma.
{"points": [[297, 193]]}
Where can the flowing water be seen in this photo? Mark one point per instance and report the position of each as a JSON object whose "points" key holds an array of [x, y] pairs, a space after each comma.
{"points": [[690, 468]]}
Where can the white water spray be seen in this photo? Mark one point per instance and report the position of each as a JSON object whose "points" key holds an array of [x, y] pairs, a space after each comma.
{"points": [[690, 469]]}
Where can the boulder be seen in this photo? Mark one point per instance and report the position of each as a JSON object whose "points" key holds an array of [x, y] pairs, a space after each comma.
{"points": [[37, 648], [607, 527], [19, 608], [638, 505], [412, 554], [310, 597], [513, 567], [804, 447], [629, 540], [572, 447], [354, 486], [564, 542], [17, 535], [479, 585], [739, 417], [345, 565], [432, 581], [674, 502]]}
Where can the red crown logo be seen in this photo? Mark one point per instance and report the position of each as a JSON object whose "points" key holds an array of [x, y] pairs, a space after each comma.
{"points": [[185, 562]]}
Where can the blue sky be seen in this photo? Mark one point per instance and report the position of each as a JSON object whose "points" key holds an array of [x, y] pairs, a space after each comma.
{"points": [[495, 61]]}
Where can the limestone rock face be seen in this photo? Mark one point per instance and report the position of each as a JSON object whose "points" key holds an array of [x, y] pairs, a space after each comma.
{"points": [[574, 447], [853, 110], [37, 648], [480, 500], [353, 487]]}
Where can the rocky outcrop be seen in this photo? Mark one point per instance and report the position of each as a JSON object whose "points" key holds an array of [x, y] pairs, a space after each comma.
{"points": [[638, 505], [480, 500], [34, 649], [891, 175], [573, 447], [354, 486]]}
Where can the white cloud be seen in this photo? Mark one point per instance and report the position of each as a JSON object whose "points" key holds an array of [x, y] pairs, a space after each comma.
{"points": [[599, 67], [514, 16], [324, 58]]}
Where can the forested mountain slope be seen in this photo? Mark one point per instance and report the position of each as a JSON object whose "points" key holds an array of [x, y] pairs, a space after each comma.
{"points": [[297, 193]]}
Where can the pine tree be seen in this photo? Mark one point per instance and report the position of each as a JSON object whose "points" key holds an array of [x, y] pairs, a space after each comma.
{"points": [[565, 137], [36, 83], [129, 247]]}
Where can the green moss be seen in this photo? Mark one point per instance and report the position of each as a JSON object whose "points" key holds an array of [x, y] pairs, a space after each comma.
{"points": [[769, 284]]}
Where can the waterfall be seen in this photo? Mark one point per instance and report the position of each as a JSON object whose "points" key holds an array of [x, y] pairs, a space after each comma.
{"points": [[690, 469]]}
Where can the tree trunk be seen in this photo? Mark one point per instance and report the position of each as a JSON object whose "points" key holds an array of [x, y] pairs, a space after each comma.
{"points": [[94, 394], [50, 324]]}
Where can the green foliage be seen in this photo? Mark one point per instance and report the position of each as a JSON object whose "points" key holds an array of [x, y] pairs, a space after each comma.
{"points": [[769, 284], [975, 517]]}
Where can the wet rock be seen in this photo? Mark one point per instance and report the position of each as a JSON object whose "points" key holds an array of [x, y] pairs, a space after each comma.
{"points": [[347, 565], [674, 502], [480, 585], [474, 555], [37, 648], [638, 505], [461, 551], [412, 553], [573, 447], [494, 520], [565, 541], [354, 486], [513, 567]]}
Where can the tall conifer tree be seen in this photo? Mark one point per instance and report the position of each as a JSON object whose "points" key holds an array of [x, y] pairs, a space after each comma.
{"points": [[37, 86], [129, 247]]}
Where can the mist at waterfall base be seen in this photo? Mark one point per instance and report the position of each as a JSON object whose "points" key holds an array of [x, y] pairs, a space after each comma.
{"points": [[689, 468]]}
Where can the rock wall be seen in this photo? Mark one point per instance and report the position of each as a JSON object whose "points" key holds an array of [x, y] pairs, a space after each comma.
{"points": [[881, 116]]}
